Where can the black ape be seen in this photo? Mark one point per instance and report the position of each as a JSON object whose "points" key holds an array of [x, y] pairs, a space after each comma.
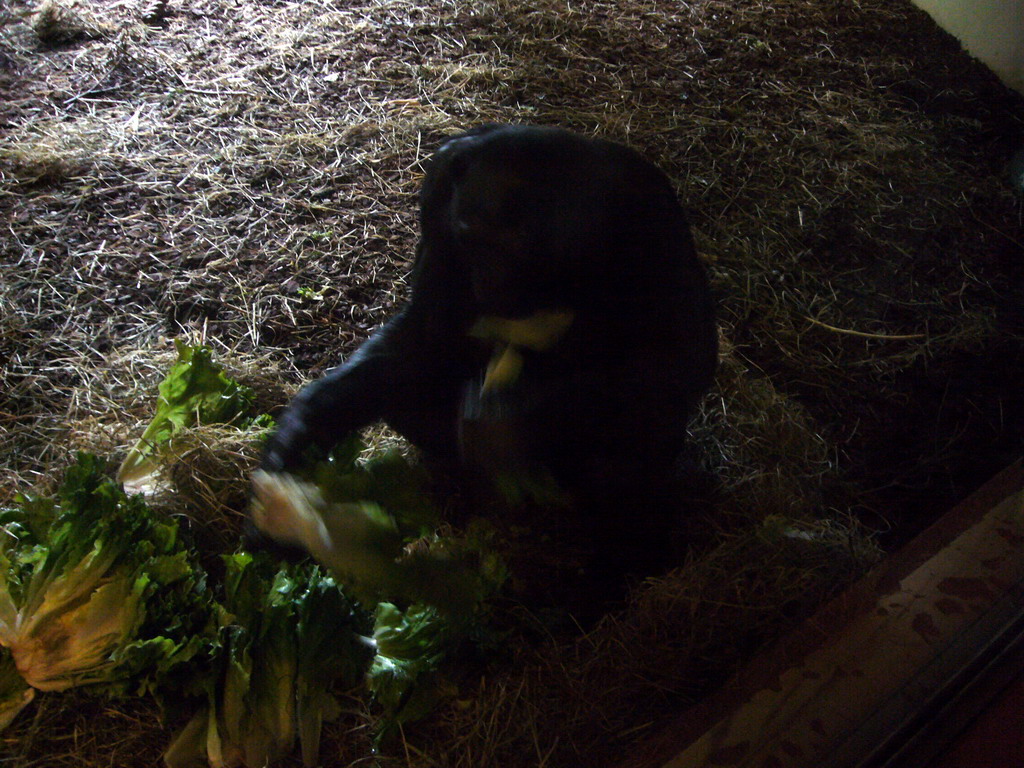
{"points": [[559, 318]]}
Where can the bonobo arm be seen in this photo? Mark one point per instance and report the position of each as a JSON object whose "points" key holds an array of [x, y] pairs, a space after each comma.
{"points": [[409, 372], [348, 397], [420, 356]]}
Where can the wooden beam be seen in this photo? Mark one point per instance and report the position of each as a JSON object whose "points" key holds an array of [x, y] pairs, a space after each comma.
{"points": [[868, 673]]}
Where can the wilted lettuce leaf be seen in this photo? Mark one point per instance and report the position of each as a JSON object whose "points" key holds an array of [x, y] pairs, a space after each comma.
{"points": [[195, 391], [288, 637], [97, 589]]}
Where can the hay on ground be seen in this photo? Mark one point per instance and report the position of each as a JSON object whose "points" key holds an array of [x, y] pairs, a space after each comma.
{"points": [[245, 174]]}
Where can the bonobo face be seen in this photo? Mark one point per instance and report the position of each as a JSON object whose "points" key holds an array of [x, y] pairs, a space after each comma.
{"points": [[493, 221], [518, 227]]}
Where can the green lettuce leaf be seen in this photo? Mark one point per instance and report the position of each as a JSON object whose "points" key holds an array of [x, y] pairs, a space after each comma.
{"points": [[404, 676], [389, 480], [407, 675], [288, 638], [332, 643], [195, 391]]}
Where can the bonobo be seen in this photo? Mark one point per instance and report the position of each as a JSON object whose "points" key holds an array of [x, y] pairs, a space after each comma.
{"points": [[559, 320]]}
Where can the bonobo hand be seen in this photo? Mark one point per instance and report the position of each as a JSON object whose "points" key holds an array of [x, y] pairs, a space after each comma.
{"points": [[493, 429], [285, 448]]}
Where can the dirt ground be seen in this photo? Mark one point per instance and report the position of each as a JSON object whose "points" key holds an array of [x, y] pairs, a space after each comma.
{"points": [[245, 173]]}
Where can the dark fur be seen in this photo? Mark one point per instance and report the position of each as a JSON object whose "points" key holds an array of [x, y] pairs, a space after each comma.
{"points": [[515, 220]]}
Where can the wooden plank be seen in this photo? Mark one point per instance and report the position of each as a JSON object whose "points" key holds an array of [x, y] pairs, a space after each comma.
{"points": [[872, 658]]}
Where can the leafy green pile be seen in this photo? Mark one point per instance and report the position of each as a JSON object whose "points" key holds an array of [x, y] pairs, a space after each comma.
{"points": [[195, 391], [288, 636], [96, 589], [373, 526]]}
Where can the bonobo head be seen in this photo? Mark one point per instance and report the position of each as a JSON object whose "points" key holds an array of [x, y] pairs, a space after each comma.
{"points": [[534, 215]]}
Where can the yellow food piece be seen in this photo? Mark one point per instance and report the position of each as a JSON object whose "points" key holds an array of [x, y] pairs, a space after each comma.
{"points": [[538, 332], [503, 369]]}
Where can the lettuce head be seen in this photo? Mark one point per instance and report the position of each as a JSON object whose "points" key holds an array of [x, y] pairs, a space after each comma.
{"points": [[96, 589], [288, 637]]}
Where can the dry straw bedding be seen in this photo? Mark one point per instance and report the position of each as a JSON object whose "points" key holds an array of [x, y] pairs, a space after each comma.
{"points": [[245, 173]]}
